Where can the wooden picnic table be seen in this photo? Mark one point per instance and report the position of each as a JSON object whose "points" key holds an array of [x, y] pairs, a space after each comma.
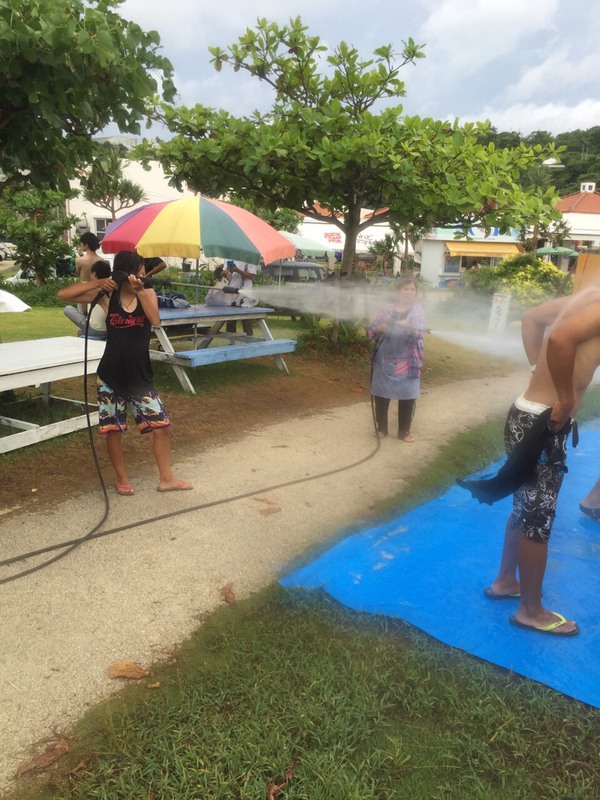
{"points": [[207, 323]]}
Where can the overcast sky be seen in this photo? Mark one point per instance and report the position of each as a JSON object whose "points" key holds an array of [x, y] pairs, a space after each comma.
{"points": [[523, 64]]}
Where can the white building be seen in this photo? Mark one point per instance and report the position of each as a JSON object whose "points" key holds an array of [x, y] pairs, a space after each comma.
{"points": [[443, 257], [154, 182], [581, 212]]}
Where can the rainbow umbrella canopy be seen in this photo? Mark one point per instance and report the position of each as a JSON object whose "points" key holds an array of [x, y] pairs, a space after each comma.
{"points": [[194, 227]]}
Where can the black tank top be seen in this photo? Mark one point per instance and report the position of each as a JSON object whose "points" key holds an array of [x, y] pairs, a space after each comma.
{"points": [[125, 365]]}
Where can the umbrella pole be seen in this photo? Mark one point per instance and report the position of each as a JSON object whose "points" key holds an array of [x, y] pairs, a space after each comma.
{"points": [[196, 300]]}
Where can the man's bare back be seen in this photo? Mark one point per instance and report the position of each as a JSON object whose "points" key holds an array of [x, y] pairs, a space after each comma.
{"points": [[577, 326], [84, 264]]}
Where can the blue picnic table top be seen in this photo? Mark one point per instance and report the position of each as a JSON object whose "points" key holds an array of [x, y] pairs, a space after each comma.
{"points": [[207, 312]]}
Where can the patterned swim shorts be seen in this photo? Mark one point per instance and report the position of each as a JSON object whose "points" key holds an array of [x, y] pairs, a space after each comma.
{"points": [[534, 503], [148, 411]]}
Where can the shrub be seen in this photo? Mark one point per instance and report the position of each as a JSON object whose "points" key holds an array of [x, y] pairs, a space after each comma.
{"points": [[528, 279], [345, 338]]}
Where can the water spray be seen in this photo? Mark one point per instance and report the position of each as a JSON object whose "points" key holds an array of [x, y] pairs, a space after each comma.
{"points": [[121, 277]]}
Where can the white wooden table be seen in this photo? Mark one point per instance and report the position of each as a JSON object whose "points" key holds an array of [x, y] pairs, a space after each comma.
{"points": [[39, 362]]}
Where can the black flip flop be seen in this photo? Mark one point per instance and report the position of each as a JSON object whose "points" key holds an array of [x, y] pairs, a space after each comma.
{"points": [[492, 595], [592, 513]]}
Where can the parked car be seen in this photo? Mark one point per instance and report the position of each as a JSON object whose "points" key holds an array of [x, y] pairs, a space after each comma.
{"points": [[21, 276], [7, 251], [27, 274], [295, 272], [296, 276]]}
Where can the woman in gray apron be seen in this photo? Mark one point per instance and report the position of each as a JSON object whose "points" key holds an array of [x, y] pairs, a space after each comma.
{"points": [[397, 332]]}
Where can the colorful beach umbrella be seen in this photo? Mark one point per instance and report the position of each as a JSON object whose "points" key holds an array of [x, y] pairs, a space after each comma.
{"points": [[194, 227]]}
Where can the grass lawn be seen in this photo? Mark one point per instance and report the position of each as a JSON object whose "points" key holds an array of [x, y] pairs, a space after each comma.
{"points": [[38, 323], [288, 695]]}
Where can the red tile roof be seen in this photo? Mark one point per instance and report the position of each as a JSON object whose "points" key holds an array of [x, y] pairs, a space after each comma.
{"points": [[580, 203]]}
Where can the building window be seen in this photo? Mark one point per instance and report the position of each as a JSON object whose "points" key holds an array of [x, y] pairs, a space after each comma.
{"points": [[452, 265], [101, 225]]}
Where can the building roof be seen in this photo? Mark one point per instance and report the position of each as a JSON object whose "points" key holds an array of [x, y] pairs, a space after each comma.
{"points": [[580, 203]]}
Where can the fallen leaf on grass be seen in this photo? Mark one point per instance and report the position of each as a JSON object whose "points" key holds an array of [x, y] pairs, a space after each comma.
{"points": [[227, 593], [153, 685], [80, 765], [270, 510], [51, 754], [275, 789], [128, 669]]}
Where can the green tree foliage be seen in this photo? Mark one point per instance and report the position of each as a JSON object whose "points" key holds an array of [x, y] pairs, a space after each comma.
{"points": [[578, 153], [580, 159], [282, 219], [104, 185], [330, 147], [68, 68], [35, 221], [538, 181], [528, 279]]}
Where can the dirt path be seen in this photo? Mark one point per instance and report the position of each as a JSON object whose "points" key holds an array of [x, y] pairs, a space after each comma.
{"points": [[131, 595]]}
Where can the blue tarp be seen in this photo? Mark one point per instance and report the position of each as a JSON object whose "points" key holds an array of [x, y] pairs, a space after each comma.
{"points": [[429, 566]]}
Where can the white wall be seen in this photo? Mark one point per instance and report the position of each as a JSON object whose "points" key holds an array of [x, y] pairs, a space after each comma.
{"points": [[155, 185], [432, 260], [333, 238], [584, 227]]}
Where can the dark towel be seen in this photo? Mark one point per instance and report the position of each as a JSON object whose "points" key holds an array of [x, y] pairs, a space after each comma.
{"points": [[519, 466]]}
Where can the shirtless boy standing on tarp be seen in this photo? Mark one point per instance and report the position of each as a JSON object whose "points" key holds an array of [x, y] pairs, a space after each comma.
{"points": [[536, 431]]}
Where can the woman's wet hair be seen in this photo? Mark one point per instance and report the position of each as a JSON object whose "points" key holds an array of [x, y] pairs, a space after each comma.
{"points": [[406, 280], [128, 261]]}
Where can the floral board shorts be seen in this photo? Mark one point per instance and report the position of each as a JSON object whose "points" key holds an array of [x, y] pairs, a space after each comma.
{"points": [[148, 411], [534, 503]]}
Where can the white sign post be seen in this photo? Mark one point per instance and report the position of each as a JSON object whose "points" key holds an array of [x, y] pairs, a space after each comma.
{"points": [[499, 313]]}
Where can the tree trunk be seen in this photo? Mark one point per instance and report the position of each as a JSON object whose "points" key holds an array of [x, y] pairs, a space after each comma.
{"points": [[536, 231], [351, 230]]}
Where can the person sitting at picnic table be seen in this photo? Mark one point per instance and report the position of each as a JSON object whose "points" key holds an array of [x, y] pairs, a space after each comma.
{"points": [[152, 266], [241, 276], [97, 317], [216, 296]]}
